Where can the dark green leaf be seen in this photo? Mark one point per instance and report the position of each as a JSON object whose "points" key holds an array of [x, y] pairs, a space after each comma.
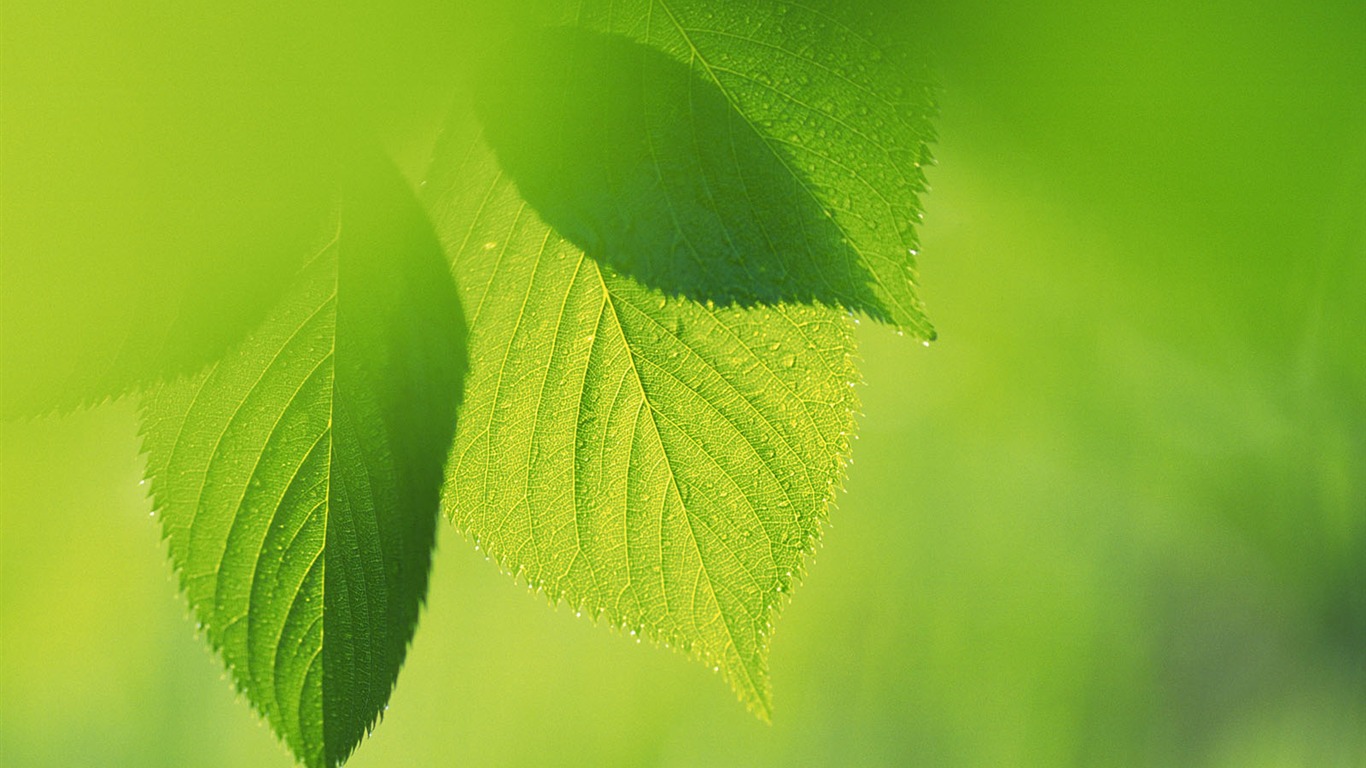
{"points": [[738, 153], [297, 479]]}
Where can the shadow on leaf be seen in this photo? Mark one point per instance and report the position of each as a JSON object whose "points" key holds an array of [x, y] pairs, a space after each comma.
{"points": [[645, 164]]}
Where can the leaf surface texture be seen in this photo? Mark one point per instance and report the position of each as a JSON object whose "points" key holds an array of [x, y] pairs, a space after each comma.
{"points": [[297, 479], [652, 461]]}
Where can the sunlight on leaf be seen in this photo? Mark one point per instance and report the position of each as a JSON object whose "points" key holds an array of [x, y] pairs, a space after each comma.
{"points": [[655, 463]]}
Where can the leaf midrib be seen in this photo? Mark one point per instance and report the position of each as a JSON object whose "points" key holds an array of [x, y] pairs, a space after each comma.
{"points": [[250, 659], [609, 304]]}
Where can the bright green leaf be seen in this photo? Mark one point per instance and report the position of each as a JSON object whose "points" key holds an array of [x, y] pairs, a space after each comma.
{"points": [[735, 152], [652, 461], [298, 478]]}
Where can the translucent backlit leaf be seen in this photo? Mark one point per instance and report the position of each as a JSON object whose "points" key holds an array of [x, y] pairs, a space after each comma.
{"points": [[652, 461]]}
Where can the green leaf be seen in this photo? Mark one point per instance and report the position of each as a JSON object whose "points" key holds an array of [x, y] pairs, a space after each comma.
{"points": [[298, 478], [738, 152], [652, 461]]}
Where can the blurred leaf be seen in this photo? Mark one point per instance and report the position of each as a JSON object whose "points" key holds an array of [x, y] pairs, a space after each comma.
{"points": [[658, 463], [298, 478], [163, 177], [166, 165], [738, 153]]}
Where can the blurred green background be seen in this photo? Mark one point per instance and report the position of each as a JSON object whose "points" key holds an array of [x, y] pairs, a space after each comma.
{"points": [[1115, 516]]}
